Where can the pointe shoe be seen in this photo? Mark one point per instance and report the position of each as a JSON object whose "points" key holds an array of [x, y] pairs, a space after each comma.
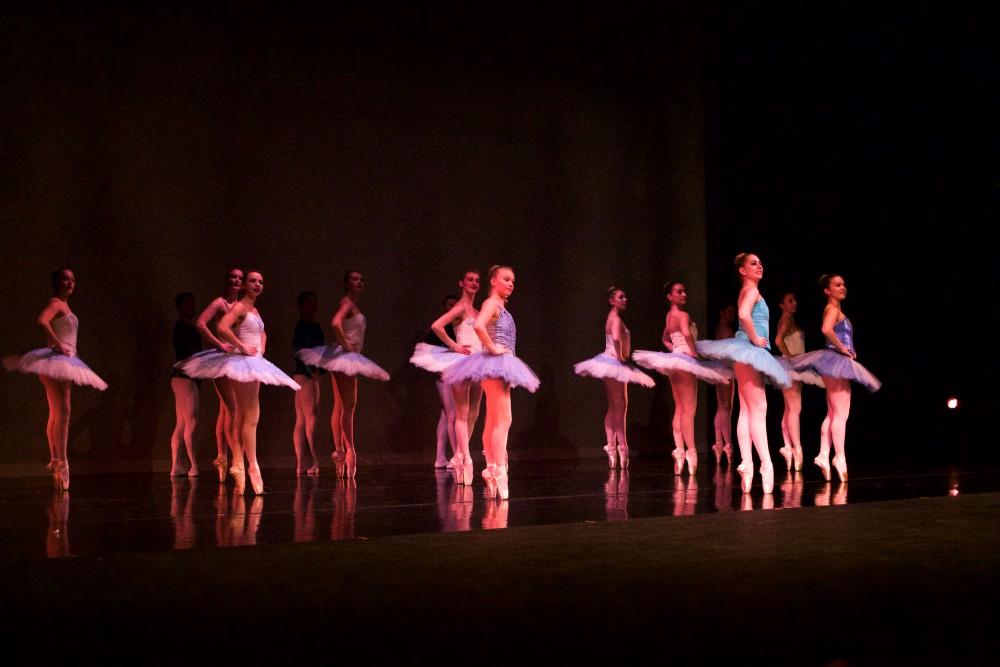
{"points": [[797, 455], [176, 472], [221, 464], [767, 477], [840, 463], [313, 470], [824, 465], [501, 477], [239, 477], [623, 456], [717, 449], [351, 463], [691, 456], [745, 469], [256, 481], [339, 457], [728, 451], [192, 471], [60, 475], [788, 453], [612, 453], [678, 455], [51, 465], [467, 472], [491, 482], [457, 465]]}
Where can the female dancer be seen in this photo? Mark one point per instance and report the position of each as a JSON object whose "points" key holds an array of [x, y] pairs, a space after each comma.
{"points": [[187, 341], [837, 365], [792, 342], [684, 370], [246, 368], [58, 368], [225, 425], [498, 370], [611, 367], [308, 333], [466, 396], [429, 355], [748, 353], [346, 363], [723, 420]]}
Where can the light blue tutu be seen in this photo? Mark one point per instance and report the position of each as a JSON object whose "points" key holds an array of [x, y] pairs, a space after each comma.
{"points": [[742, 351], [483, 366], [56, 365], [712, 372], [828, 363], [807, 376], [336, 360], [434, 358], [605, 366], [212, 364]]}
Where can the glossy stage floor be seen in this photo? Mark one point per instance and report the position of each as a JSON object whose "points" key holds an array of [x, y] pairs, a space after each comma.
{"points": [[582, 564]]}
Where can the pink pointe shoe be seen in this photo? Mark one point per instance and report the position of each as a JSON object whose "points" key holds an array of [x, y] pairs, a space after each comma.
{"points": [[339, 457], [457, 466], [797, 454], [788, 454], [717, 449], [623, 456], [256, 481], [467, 472], [351, 463], [221, 465], [239, 477], [767, 478], [612, 453], [501, 477], [691, 456], [60, 475], [678, 455], [489, 477], [824, 465], [840, 463], [745, 469]]}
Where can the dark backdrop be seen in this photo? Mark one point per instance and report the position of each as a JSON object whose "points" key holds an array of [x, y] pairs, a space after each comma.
{"points": [[151, 149]]}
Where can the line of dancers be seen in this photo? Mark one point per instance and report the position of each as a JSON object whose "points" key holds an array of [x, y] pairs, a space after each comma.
{"points": [[472, 352]]}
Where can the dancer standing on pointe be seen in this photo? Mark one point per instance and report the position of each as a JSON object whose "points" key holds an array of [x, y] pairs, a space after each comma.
{"points": [[187, 342], [426, 356], [838, 366], [723, 420], [346, 363], [498, 370], [613, 369], [225, 425], [683, 369], [243, 328], [308, 333], [466, 396], [58, 368], [791, 340], [748, 353]]}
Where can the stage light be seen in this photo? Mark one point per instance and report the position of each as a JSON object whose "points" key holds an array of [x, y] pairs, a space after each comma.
{"points": [[952, 403]]}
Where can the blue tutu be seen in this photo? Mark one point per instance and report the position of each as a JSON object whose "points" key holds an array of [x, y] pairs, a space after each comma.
{"points": [[213, 364], [742, 351], [605, 366], [483, 366], [434, 358], [712, 372], [807, 376], [828, 363]]}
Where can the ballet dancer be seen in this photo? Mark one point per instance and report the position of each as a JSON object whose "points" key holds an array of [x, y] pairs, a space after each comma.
{"points": [[187, 342], [345, 362], [308, 333], [613, 369], [498, 370], [723, 420], [427, 355], [467, 396], [748, 352], [838, 366], [246, 367], [58, 368], [791, 341], [225, 425], [683, 369]]}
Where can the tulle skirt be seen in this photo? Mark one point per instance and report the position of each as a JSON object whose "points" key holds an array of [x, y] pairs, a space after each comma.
{"points": [[605, 366], [740, 351], [808, 376], [46, 361], [829, 363], [484, 366], [434, 358], [336, 360], [712, 372], [211, 364]]}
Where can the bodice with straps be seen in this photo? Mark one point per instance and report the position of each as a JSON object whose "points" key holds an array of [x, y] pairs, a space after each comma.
{"points": [[65, 329], [502, 330], [465, 334], [844, 331], [796, 342], [251, 331], [761, 316], [354, 329]]}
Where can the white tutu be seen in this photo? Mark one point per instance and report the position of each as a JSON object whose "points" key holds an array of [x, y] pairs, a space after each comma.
{"points": [[46, 361], [336, 360], [211, 364], [433, 358], [807, 376], [712, 372], [605, 366]]}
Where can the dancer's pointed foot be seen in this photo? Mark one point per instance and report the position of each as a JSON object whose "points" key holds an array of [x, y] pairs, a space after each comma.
{"points": [[788, 454], [840, 463], [824, 465], [623, 456], [351, 463], [767, 477], [256, 481], [239, 477], [221, 465], [678, 455], [691, 456], [745, 469], [491, 482], [339, 457], [192, 471], [717, 449], [612, 453], [798, 457]]}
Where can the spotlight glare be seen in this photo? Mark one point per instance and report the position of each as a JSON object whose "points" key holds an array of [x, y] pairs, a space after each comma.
{"points": [[952, 403]]}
